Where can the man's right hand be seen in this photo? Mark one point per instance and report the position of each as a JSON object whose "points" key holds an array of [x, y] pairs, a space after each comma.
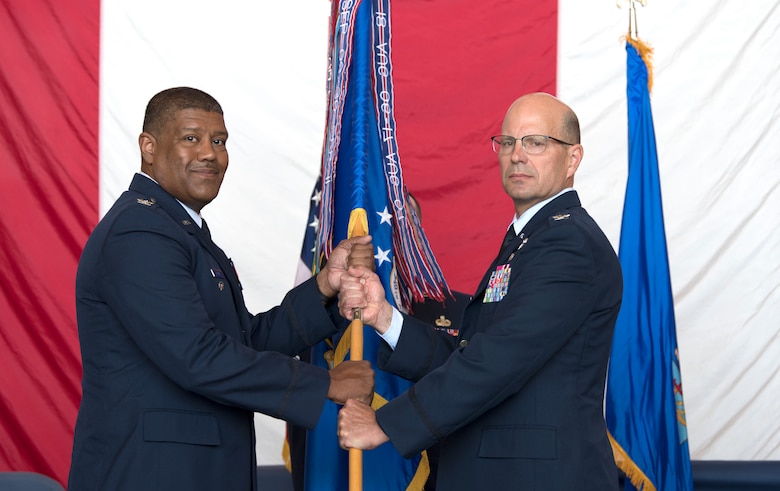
{"points": [[361, 288], [361, 255], [351, 380], [357, 427], [329, 277]]}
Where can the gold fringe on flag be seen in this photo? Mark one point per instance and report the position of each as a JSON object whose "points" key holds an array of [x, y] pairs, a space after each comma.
{"points": [[632, 471], [646, 53]]}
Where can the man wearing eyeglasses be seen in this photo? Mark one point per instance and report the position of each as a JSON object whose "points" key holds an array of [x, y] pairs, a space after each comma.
{"points": [[516, 399]]}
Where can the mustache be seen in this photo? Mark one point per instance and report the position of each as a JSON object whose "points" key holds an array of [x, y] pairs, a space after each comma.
{"points": [[199, 166]]}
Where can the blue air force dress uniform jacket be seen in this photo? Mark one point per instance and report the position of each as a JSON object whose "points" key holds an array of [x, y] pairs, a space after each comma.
{"points": [[173, 363], [516, 399]]}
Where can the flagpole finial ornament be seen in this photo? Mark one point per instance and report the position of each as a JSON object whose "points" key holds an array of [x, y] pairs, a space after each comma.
{"points": [[632, 29]]}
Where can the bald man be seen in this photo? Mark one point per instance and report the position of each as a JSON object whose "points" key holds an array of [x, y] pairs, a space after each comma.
{"points": [[516, 399]]}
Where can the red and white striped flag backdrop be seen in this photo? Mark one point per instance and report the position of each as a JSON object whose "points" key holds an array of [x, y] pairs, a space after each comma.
{"points": [[75, 76]]}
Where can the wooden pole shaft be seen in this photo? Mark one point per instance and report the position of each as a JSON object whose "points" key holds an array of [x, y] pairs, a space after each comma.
{"points": [[356, 353]]}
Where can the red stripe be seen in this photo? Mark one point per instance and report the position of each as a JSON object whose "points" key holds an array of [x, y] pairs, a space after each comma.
{"points": [[447, 109], [49, 132]]}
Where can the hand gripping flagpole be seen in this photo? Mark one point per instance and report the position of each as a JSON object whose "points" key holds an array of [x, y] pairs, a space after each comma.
{"points": [[356, 353], [360, 141], [358, 227]]}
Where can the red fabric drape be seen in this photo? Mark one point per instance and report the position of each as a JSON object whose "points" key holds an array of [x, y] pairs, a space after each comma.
{"points": [[458, 64], [48, 205]]}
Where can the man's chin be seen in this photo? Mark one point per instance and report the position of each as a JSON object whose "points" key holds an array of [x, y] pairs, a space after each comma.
{"points": [[517, 192], [204, 197]]}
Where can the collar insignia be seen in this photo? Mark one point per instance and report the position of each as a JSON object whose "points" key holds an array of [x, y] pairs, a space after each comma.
{"points": [[147, 202]]}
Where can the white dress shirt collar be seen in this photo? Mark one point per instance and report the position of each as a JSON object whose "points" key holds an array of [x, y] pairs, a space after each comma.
{"points": [[521, 221]]}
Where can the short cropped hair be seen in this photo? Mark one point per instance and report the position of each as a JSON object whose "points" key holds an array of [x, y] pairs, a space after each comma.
{"points": [[164, 105], [571, 127]]}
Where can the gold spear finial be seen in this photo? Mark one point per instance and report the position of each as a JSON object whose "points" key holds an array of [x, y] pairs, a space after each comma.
{"points": [[632, 29]]}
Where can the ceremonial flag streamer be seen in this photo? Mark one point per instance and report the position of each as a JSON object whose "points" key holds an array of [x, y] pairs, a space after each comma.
{"points": [[362, 189], [644, 399]]}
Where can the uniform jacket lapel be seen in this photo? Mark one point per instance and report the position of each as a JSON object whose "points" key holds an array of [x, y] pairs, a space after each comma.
{"points": [[567, 200], [172, 207]]}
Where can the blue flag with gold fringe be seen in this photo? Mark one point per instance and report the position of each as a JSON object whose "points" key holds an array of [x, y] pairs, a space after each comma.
{"points": [[362, 189], [644, 399]]}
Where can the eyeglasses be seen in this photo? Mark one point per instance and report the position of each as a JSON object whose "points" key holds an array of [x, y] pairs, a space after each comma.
{"points": [[532, 144]]}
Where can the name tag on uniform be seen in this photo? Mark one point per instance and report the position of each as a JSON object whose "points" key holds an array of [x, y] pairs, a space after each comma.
{"points": [[498, 284], [217, 273]]}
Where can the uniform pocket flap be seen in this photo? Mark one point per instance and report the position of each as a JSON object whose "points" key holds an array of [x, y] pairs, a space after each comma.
{"points": [[166, 425], [518, 442]]}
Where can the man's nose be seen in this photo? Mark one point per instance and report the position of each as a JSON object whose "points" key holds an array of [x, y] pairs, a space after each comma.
{"points": [[518, 151], [206, 150]]}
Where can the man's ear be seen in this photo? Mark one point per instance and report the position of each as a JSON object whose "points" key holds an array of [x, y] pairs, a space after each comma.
{"points": [[147, 144], [575, 157]]}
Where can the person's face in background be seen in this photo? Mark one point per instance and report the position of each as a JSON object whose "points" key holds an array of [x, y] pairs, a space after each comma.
{"points": [[415, 206]]}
